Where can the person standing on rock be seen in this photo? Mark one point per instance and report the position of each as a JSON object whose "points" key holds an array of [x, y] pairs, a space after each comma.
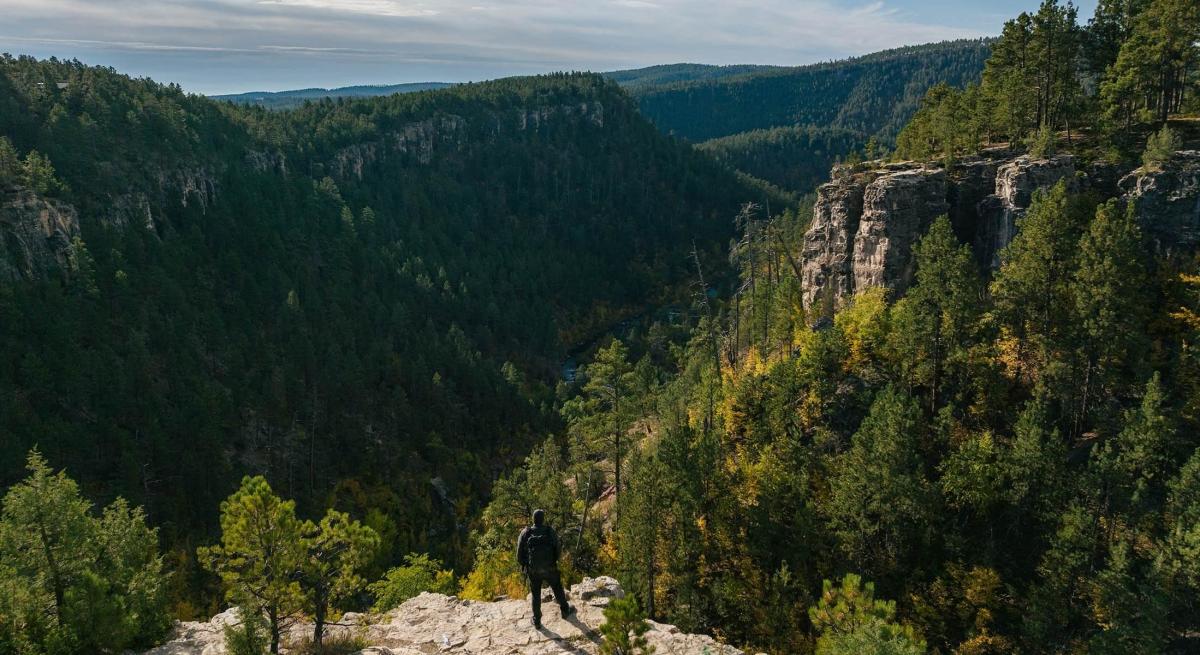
{"points": [[537, 554]]}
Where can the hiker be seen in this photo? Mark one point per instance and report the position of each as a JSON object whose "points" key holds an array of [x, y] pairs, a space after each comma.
{"points": [[537, 554]]}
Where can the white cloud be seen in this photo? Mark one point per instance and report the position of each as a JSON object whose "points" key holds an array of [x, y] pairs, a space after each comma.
{"points": [[270, 43], [375, 7]]}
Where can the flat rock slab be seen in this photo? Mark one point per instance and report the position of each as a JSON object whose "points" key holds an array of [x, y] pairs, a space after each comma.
{"points": [[433, 624]]}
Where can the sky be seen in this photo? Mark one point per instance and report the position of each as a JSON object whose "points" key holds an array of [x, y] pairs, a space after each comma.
{"points": [[231, 46]]}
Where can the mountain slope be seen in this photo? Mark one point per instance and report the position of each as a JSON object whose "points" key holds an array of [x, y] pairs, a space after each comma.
{"points": [[364, 301], [295, 98], [636, 78], [793, 158], [874, 94]]}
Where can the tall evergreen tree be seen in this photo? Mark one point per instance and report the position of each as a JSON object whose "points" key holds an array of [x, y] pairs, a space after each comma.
{"points": [[1109, 289], [261, 555]]}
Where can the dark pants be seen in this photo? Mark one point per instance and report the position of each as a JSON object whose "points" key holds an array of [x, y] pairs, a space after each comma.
{"points": [[552, 578]]}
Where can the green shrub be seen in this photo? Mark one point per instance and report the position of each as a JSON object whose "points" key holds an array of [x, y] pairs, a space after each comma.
{"points": [[250, 637], [419, 573], [1159, 148], [1042, 143], [624, 629]]}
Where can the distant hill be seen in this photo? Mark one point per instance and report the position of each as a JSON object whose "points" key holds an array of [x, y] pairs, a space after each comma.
{"points": [[636, 78], [286, 99], [875, 94]]}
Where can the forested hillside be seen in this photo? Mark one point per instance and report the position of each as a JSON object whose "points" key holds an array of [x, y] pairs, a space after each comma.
{"points": [[639, 78], [289, 99], [793, 158], [365, 301], [873, 95], [970, 449]]}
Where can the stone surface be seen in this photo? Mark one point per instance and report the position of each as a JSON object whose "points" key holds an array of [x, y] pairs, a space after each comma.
{"points": [[35, 235], [867, 220], [827, 259], [1016, 182], [1167, 201], [897, 210], [434, 623]]}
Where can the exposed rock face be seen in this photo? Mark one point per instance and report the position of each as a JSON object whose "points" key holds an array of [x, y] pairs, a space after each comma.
{"points": [[867, 220], [827, 263], [1016, 182], [1167, 201], [35, 235], [433, 623], [897, 209]]}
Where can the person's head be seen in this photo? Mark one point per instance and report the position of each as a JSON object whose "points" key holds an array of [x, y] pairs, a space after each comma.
{"points": [[539, 516]]}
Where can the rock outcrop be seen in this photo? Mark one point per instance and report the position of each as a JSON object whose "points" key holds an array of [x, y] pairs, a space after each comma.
{"points": [[35, 235], [897, 209], [864, 225], [866, 221], [1016, 181], [434, 623], [828, 245], [1167, 201]]}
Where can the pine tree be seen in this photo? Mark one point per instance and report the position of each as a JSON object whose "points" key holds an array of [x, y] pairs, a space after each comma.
{"points": [[75, 582], [932, 326], [261, 555], [880, 502], [624, 629], [1034, 282], [336, 550], [1109, 288], [607, 407], [1150, 76]]}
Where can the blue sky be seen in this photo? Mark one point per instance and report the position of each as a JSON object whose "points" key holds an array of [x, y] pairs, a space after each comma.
{"points": [[226, 46]]}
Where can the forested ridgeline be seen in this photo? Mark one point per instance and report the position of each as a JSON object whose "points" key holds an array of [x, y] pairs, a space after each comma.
{"points": [[1003, 458], [365, 301], [873, 95], [793, 158]]}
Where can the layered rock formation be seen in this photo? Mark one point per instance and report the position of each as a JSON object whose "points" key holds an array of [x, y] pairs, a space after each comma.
{"points": [[35, 235], [1167, 201], [433, 623], [897, 209], [867, 220]]}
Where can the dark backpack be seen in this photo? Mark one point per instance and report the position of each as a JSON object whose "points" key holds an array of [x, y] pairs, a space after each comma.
{"points": [[540, 547]]}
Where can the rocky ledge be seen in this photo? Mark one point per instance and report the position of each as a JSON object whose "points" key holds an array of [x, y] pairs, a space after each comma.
{"points": [[867, 220], [434, 623]]}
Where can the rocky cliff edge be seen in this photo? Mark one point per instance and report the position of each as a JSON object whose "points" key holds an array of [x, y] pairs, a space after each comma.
{"points": [[434, 623]]}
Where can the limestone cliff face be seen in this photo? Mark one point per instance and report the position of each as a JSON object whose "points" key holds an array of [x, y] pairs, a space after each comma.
{"points": [[420, 140], [433, 623], [866, 221], [1167, 201], [827, 263], [35, 235], [897, 209], [1016, 182]]}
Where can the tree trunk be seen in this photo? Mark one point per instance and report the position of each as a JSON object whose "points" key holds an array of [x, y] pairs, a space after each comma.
{"points": [[273, 615], [319, 613]]}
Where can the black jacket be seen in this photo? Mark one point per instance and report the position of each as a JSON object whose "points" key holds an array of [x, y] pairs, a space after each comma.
{"points": [[523, 542]]}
